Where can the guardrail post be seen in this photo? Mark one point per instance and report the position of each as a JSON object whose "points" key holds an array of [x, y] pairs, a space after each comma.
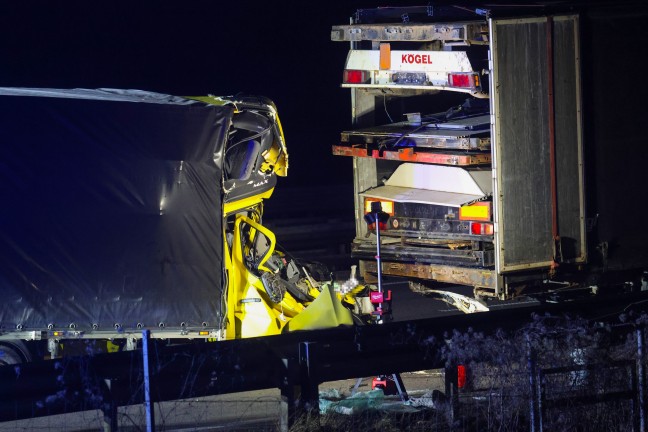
{"points": [[287, 388], [299, 388], [309, 384], [451, 391], [640, 399], [148, 404], [535, 412]]}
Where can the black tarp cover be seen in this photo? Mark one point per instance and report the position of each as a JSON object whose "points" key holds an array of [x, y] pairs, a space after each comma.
{"points": [[111, 209]]}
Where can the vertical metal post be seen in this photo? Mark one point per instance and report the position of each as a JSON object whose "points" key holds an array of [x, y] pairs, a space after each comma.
{"points": [[299, 387], [557, 252], [640, 407], [534, 414], [109, 407], [451, 390], [396, 377], [400, 386], [378, 261], [309, 386], [540, 395], [148, 405], [287, 388]]}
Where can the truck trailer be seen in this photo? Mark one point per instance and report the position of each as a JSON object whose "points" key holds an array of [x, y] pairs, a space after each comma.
{"points": [[505, 146], [129, 211]]}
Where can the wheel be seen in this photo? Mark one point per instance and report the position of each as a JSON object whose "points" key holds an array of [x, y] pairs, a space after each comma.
{"points": [[13, 352]]}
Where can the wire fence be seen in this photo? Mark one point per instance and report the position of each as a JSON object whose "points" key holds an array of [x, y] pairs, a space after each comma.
{"points": [[554, 374]]}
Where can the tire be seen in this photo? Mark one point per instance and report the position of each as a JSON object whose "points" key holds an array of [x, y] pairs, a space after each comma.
{"points": [[14, 352]]}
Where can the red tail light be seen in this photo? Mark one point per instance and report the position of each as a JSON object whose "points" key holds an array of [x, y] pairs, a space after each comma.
{"points": [[463, 80], [481, 228], [355, 76]]}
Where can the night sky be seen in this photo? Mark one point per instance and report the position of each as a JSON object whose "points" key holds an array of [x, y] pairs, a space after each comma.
{"points": [[281, 50]]}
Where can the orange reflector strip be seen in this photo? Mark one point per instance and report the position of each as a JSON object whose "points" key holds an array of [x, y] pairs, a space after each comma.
{"points": [[203, 333], [58, 333], [385, 56], [387, 206], [480, 211]]}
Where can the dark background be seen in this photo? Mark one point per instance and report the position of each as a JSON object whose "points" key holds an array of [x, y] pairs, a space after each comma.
{"points": [[281, 50], [278, 49]]}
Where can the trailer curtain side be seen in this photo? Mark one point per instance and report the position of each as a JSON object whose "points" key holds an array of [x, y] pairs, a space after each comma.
{"points": [[111, 210]]}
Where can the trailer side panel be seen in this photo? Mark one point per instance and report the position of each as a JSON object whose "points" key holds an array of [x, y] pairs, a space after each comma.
{"points": [[111, 211]]}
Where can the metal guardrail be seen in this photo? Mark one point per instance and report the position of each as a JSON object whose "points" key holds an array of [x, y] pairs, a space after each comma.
{"points": [[296, 363]]}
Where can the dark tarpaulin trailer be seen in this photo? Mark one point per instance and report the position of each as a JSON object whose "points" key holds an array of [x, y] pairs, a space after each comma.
{"points": [[111, 210]]}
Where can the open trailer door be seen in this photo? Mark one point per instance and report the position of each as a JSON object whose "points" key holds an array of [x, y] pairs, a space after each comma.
{"points": [[537, 142]]}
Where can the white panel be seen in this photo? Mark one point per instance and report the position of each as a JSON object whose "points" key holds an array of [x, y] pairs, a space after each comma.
{"points": [[422, 196], [442, 178], [411, 61]]}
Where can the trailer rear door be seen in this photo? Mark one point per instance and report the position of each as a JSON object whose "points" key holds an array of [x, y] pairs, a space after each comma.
{"points": [[537, 142]]}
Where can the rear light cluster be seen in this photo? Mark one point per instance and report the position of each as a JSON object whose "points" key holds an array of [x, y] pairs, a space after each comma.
{"points": [[420, 68], [355, 76], [480, 228], [480, 211], [463, 80], [475, 219], [479, 214]]}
